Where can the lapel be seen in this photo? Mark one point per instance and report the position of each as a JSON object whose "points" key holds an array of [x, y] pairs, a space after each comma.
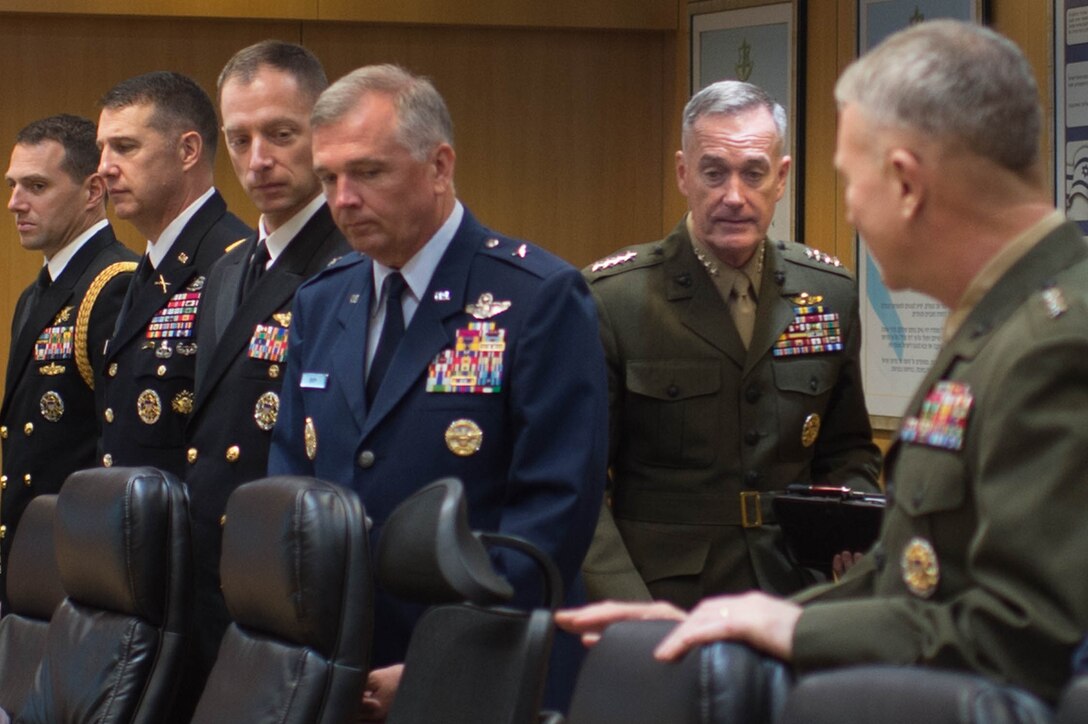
{"points": [[775, 309], [274, 290], [49, 305], [700, 306], [348, 350], [426, 334], [173, 273]]}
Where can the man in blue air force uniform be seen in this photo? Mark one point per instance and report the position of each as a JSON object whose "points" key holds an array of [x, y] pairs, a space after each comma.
{"points": [[446, 350]]}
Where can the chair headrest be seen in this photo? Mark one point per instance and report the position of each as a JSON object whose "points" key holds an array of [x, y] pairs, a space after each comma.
{"points": [[292, 548], [113, 535], [34, 588], [428, 553]]}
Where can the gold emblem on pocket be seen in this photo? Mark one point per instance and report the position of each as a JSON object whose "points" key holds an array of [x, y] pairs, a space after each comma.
{"points": [[182, 402], [921, 572], [267, 410], [52, 406], [810, 430], [149, 407], [464, 437]]}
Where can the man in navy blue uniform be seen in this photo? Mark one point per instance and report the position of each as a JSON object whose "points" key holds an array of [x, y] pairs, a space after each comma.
{"points": [[441, 349]]}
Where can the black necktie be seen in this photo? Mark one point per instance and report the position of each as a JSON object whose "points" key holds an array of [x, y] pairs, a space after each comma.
{"points": [[392, 332], [256, 268], [36, 292]]}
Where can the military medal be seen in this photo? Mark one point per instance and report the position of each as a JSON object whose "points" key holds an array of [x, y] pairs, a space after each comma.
{"points": [[814, 329], [921, 572], [810, 430], [486, 307], [942, 420], [51, 406], [464, 437], [182, 402], [309, 436], [474, 365], [149, 407], [267, 410]]}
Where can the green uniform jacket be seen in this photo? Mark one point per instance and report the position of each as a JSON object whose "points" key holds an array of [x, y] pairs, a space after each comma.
{"points": [[696, 420], [991, 525]]}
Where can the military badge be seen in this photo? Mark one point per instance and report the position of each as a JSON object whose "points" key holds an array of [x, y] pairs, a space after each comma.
{"points": [[1055, 302], [817, 255], [309, 438], [814, 329], [149, 407], [51, 406], [183, 258], [63, 316], [942, 421], [615, 260], [51, 370], [164, 351], [196, 285], [269, 342], [464, 437], [474, 365], [921, 571], [810, 430], [182, 402], [54, 342], [177, 319], [185, 349], [282, 318], [267, 410], [486, 307]]}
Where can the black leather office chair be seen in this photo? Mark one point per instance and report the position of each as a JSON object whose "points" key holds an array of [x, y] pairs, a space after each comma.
{"points": [[34, 592], [115, 644], [470, 659], [296, 576]]}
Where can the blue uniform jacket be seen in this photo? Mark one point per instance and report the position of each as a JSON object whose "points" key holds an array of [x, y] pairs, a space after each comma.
{"points": [[540, 469]]}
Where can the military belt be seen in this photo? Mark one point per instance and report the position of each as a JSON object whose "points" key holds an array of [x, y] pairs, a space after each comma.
{"points": [[749, 509]]}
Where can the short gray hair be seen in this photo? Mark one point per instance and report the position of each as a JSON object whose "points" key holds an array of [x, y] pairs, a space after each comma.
{"points": [[423, 121], [955, 81], [731, 98]]}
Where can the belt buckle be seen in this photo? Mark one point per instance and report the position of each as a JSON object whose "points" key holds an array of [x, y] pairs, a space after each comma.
{"points": [[753, 520]]}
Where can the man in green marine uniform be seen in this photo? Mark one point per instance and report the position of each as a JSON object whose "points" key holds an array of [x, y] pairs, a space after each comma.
{"points": [[979, 565], [733, 372]]}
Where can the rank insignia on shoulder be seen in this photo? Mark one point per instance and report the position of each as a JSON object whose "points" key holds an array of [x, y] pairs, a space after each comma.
{"points": [[521, 251], [1055, 302], [814, 328], [615, 260], [282, 318], [486, 307], [475, 363], [63, 315], [921, 571], [822, 257], [942, 420]]}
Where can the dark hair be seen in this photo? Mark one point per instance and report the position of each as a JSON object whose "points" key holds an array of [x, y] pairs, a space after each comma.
{"points": [[181, 105], [74, 133], [290, 58]]}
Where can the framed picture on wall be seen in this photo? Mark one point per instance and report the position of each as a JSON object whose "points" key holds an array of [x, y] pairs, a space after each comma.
{"points": [[1071, 110], [758, 45], [901, 331]]}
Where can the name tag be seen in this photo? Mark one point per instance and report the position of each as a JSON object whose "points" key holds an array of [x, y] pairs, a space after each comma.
{"points": [[314, 380]]}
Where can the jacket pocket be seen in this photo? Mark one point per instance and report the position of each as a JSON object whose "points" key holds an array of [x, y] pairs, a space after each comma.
{"points": [[672, 411]]}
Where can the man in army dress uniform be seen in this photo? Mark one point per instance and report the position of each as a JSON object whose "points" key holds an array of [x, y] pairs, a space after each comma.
{"points": [[48, 424], [157, 133], [979, 565], [733, 372], [266, 94]]}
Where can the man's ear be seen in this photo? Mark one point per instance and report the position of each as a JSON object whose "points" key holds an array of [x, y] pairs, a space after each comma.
{"points": [[681, 173], [443, 160], [95, 188], [190, 149], [906, 172]]}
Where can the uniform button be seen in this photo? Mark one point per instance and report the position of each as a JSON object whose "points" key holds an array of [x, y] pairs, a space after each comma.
{"points": [[107, 460], [672, 391], [814, 384], [3, 432], [751, 437], [273, 372], [366, 459], [233, 453], [28, 428], [109, 414], [3, 532], [3, 482], [191, 455], [112, 371], [752, 393], [222, 520], [751, 478], [491, 243], [26, 480], [161, 370]]}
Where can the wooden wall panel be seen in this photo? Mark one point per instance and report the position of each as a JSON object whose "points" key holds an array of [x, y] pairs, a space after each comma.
{"points": [[558, 133], [617, 14], [278, 9]]}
